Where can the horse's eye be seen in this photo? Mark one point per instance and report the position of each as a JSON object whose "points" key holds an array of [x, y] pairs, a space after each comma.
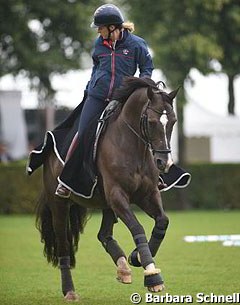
{"points": [[153, 122]]}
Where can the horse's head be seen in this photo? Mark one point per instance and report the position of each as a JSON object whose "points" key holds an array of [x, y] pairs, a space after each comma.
{"points": [[157, 117], [157, 122]]}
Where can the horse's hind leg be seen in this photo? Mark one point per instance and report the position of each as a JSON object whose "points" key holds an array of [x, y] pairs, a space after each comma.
{"points": [[60, 229], [60, 218], [111, 246]]}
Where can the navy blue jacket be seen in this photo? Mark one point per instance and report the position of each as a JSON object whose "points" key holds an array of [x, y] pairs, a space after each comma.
{"points": [[111, 64]]}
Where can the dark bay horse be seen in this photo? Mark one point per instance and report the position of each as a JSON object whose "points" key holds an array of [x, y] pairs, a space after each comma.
{"points": [[133, 151]]}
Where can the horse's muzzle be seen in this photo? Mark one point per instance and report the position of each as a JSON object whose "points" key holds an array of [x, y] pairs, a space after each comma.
{"points": [[163, 164], [163, 159]]}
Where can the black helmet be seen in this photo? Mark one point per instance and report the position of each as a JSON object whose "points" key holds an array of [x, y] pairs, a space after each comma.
{"points": [[107, 14]]}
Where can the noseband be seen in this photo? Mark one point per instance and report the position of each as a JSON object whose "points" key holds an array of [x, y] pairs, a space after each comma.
{"points": [[144, 128]]}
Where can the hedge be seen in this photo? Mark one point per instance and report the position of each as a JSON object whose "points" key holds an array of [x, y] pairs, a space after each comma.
{"points": [[18, 192], [213, 186]]}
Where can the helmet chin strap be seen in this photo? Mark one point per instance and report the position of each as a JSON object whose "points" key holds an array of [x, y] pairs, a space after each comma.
{"points": [[110, 32], [117, 27]]}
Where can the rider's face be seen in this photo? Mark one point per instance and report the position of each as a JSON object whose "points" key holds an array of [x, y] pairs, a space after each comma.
{"points": [[103, 31]]}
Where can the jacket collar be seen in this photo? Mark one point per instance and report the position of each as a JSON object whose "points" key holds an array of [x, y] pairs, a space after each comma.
{"points": [[108, 43]]}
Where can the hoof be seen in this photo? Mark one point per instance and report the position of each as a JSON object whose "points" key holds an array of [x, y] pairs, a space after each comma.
{"points": [[71, 296], [124, 275], [158, 288], [153, 280]]}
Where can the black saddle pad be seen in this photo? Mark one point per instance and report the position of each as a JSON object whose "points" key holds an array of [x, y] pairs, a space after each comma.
{"points": [[79, 173]]}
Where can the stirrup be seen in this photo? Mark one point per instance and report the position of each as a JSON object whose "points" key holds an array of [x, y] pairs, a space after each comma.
{"points": [[62, 191]]}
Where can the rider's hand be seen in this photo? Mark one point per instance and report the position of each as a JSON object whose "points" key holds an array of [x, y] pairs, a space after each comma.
{"points": [[161, 186]]}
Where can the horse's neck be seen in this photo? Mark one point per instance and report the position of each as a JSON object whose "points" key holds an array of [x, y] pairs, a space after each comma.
{"points": [[132, 109], [129, 118]]}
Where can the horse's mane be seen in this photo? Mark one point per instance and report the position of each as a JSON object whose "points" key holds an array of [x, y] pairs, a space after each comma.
{"points": [[129, 85]]}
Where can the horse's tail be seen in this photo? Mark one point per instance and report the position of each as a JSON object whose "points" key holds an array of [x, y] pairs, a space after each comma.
{"points": [[44, 223]]}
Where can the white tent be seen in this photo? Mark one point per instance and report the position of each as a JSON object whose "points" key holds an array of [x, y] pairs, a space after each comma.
{"points": [[223, 132], [12, 125]]}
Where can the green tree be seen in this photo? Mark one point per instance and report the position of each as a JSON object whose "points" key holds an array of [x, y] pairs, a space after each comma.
{"points": [[227, 29], [40, 38], [186, 34]]}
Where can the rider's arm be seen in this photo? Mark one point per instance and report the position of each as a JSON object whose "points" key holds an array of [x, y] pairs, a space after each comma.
{"points": [[94, 68], [145, 63]]}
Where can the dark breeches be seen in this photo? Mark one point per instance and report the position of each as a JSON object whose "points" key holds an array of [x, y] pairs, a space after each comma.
{"points": [[93, 107]]}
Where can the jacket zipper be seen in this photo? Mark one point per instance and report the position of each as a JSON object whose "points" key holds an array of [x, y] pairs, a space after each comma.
{"points": [[113, 72]]}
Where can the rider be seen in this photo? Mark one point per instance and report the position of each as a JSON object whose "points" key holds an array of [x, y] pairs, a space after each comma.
{"points": [[117, 53]]}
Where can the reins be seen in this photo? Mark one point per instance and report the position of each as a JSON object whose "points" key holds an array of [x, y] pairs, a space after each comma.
{"points": [[136, 133]]}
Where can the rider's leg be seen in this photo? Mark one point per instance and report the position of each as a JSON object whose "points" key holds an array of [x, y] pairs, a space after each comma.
{"points": [[92, 108]]}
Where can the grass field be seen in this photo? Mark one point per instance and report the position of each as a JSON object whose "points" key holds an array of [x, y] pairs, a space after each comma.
{"points": [[188, 268]]}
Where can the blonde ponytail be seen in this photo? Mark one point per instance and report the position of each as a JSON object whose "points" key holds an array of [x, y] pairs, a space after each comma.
{"points": [[128, 26]]}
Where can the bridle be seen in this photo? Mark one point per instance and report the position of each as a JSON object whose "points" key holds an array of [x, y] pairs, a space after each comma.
{"points": [[144, 129]]}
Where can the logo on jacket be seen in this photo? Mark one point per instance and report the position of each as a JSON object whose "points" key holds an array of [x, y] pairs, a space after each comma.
{"points": [[125, 52]]}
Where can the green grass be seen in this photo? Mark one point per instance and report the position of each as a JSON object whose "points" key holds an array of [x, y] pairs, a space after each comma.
{"points": [[26, 278]]}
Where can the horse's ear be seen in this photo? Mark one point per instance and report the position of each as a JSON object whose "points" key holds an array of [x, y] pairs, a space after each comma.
{"points": [[173, 94], [150, 93]]}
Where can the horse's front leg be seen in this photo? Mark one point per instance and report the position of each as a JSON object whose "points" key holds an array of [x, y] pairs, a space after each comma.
{"points": [[60, 218], [119, 202], [153, 207], [155, 210], [111, 246]]}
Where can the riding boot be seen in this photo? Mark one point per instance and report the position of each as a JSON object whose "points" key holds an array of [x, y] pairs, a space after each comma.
{"points": [[61, 190]]}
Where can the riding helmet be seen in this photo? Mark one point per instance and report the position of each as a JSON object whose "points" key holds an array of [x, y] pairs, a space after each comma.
{"points": [[107, 14]]}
